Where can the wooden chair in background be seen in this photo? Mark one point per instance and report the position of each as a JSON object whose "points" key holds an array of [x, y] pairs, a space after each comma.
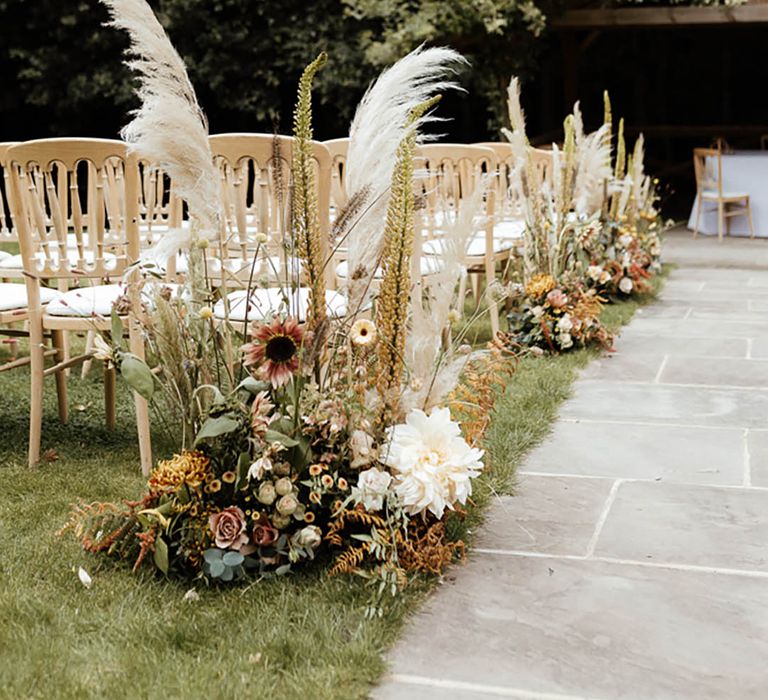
{"points": [[708, 168], [255, 174], [338, 150], [454, 171], [55, 182]]}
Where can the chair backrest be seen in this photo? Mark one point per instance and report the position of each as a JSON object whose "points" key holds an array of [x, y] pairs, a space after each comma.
{"points": [[255, 172], [542, 161], [7, 232], [75, 206], [506, 206], [453, 171], [159, 207], [707, 169], [338, 149]]}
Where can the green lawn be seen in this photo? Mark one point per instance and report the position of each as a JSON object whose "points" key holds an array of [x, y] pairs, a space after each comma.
{"points": [[137, 636]]}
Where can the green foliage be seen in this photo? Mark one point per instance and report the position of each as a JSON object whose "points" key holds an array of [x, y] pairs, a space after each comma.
{"points": [[498, 36]]}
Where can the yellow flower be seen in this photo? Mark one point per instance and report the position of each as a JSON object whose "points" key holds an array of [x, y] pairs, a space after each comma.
{"points": [[327, 481], [261, 238], [214, 486], [316, 470], [343, 485], [206, 313], [229, 477], [363, 332], [315, 497], [309, 517], [539, 285], [188, 468]]}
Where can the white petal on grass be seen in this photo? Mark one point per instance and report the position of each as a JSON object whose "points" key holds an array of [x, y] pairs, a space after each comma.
{"points": [[84, 577]]}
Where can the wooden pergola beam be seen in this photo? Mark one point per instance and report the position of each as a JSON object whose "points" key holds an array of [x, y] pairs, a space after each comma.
{"points": [[637, 17]]}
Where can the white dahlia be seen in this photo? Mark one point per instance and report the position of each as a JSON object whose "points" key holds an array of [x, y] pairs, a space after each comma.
{"points": [[432, 463]]}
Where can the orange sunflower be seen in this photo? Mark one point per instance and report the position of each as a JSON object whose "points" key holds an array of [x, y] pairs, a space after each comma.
{"points": [[274, 350]]}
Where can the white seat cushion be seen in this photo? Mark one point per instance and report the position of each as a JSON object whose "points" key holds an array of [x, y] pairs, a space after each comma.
{"points": [[712, 194], [239, 266], [510, 228], [98, 300], [265, 303], [87, 301], [15, 262], [14, 296], [476, 247], [429, 266]]}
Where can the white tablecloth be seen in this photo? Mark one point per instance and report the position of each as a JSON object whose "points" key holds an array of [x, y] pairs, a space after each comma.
{"points": [[743, 171]]}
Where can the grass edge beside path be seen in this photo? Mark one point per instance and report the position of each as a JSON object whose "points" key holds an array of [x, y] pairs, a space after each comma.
{"points": [[137, 636]]}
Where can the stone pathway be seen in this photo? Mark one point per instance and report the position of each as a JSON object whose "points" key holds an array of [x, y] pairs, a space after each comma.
{"points": [[633, 563]]}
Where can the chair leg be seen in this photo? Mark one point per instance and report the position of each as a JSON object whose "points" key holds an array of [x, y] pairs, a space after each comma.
{"points": [[720, 220], [142, 407], [462, 294], [37, 367], [474, 280], [698, 218], [88, 348], [59, 340], [110, 379], [749, 220]]}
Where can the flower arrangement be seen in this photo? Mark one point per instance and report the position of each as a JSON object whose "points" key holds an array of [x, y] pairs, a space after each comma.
{"points": [[553, 309], [592, 231], [326, 435], [555, 317]]}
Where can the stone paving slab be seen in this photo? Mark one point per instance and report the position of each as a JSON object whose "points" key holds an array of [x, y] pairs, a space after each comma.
{"points": [[700, 370], [556, 515], [658, 403], [684, 524], [757, 444], [633, 451], [633, 563], [592, 629], [697, 327], [674, 344], [623, 366]]}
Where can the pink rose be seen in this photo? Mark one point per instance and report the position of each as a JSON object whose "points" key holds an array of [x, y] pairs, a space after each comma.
{"points": [[264, 534], [228, 528], [557, 298]]}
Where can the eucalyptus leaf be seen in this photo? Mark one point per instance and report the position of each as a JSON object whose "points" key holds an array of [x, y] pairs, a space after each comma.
{"points": [[212, 555], [228, 574], [253, 385], [233, 559], [214, 427], [137, 375], [161, 555], [217, 568], [284, 440], [117, 330]]}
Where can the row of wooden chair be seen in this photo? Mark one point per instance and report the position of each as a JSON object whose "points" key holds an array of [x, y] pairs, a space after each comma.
{"points": [[83, 210]]}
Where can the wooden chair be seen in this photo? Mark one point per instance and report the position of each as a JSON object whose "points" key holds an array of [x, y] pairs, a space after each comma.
{"points": [[53, 182], [255, 174], [338, 150], [506, 207], [7, 231], [454, 172], [708, 168], [542, 162]]}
